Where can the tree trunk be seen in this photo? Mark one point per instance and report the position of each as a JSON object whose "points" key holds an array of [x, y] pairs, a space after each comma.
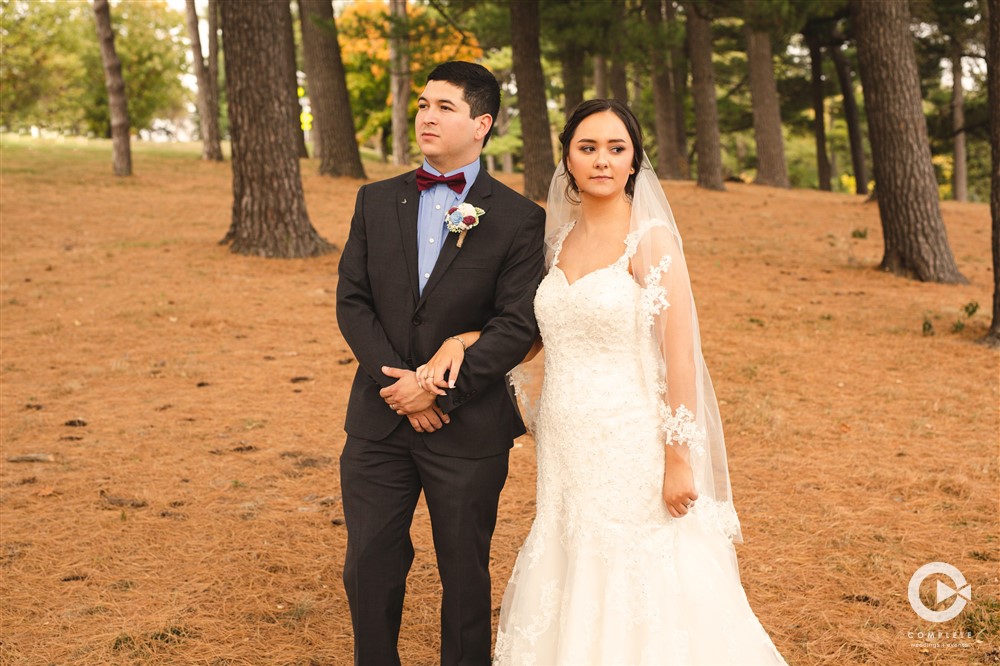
{"points": [[771, 169], [571, 59], [819, 109], [679, 70], [331, 105], [992, 16], [121, 149], [294, 115], [619, 69], [538, 166], [619, 81], [960, 173], [600, 76], [852, 119], [213, 69], [269, 209], [399, 59], [667, 156], [916, 244], [706, 117], [209, 121]]}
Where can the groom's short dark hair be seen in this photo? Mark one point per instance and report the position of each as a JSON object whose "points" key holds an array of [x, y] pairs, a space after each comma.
{"points": [[479, 87]]}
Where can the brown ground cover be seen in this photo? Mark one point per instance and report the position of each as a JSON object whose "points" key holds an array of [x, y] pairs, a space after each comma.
{"points": [[192, 403]]}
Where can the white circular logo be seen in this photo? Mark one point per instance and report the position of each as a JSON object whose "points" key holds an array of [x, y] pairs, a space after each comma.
{"points": [[962, 592]]}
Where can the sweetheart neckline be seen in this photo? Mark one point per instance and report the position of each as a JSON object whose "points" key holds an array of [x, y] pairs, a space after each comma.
{"points": [[610, 267]]}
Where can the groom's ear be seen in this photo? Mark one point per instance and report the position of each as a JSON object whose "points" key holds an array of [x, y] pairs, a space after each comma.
{"points": [[483, 125]]}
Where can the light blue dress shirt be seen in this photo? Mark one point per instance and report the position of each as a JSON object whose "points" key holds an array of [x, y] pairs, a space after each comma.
{"points": [[434, 204]]}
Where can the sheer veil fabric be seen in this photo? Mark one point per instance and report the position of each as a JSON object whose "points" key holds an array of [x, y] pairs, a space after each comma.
{"points": [[676, 375]]}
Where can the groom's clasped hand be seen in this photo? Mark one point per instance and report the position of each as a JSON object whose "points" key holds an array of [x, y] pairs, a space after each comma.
{"points": [[414, 393], [407, 398]]}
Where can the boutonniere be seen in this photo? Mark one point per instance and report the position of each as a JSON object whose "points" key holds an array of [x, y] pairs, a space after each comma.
{"points": [[461, 218]]}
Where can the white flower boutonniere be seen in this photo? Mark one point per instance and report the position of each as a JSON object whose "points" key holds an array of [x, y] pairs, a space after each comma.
{"points": [[461, 218]]}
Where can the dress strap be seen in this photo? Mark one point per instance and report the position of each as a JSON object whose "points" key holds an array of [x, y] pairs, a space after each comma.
{"points": [[557, 240], [634, 237]]}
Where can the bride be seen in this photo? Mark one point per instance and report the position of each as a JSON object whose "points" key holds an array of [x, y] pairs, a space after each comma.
{"points": [[630, 559]]}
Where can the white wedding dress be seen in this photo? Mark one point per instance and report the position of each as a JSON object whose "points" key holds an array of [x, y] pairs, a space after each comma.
{"points": [[606, 575]]}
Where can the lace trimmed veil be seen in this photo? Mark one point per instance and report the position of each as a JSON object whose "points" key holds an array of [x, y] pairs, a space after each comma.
{"points": [[674, 368]]}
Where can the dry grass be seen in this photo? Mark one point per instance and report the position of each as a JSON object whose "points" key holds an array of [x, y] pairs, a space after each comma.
{"points": [[191, 520]]}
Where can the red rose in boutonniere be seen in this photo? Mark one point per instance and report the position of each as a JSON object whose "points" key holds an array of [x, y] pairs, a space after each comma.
{"points": [[461, 218]]}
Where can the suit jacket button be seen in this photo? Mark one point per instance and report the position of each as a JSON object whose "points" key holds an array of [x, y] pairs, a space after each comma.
{"points": [[416, 321]]}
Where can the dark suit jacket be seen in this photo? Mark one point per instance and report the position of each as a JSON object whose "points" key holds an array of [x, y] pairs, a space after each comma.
{"points": [[488, 284]]}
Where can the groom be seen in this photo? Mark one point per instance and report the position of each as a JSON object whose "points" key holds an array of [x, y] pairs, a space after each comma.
{"points": [[406, 286]]}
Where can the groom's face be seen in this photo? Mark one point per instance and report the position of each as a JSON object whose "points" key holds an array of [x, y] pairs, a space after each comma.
{"points": [[448, 135]]}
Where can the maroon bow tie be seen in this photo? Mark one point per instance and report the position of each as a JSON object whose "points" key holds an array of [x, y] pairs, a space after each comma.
{"points": [[426, 179]]}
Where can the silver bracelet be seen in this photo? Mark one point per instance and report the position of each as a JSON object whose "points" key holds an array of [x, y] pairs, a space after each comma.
{"points": [[460, 341]]}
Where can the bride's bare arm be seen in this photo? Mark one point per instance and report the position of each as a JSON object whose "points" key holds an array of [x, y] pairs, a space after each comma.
{"points": [[441, 371], [536, 347]]}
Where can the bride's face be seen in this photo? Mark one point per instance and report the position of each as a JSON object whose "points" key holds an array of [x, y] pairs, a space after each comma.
{"points": [[600, 156]]}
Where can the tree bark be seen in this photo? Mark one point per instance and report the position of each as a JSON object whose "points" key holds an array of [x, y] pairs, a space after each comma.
{"points": [[269, 208], [679, 69], [535, 133], [399, 59], [668, 158], [211, 149], [706, 116], [294, 110], [852, 119], [600, 76], [619, 69], [819, 109], [960, 173], [213, 67], [916, 243], [121, 149], [328, 96], [571, 60], [992, 16], [771, 169]]}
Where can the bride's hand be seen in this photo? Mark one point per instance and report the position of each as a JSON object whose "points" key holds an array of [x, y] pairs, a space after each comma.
{"points": [[679, 492], [447, 361]]}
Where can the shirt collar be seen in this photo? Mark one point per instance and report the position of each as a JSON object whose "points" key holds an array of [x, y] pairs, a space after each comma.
{"points": [[471, 171]]}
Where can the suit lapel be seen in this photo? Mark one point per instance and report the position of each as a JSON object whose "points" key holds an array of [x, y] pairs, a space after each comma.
{"points": [[478, 196], [407, 207]]}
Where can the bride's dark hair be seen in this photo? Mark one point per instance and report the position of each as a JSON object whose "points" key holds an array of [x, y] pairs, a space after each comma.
{"points": [[588, 108]]}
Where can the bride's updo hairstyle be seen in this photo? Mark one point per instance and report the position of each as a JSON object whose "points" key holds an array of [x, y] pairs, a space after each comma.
{"points": [[588, 108]]}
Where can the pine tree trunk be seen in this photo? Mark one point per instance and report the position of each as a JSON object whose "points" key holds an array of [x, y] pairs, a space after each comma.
{"points": [[619, 69], [212, 98], [294, 114], [535, 132], [819, 109], [121, 149], [328, 94], [992, 16], [706, 116], [269, 208], [960, 173], [571, 61], [771, 169], [679, 69], [852, 119], [399, 59], [916, 244], [667, 156], [210, 147], [600, 76]]}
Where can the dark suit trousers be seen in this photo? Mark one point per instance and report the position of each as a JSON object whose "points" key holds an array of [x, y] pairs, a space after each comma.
{"points": [[381, 482]]}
